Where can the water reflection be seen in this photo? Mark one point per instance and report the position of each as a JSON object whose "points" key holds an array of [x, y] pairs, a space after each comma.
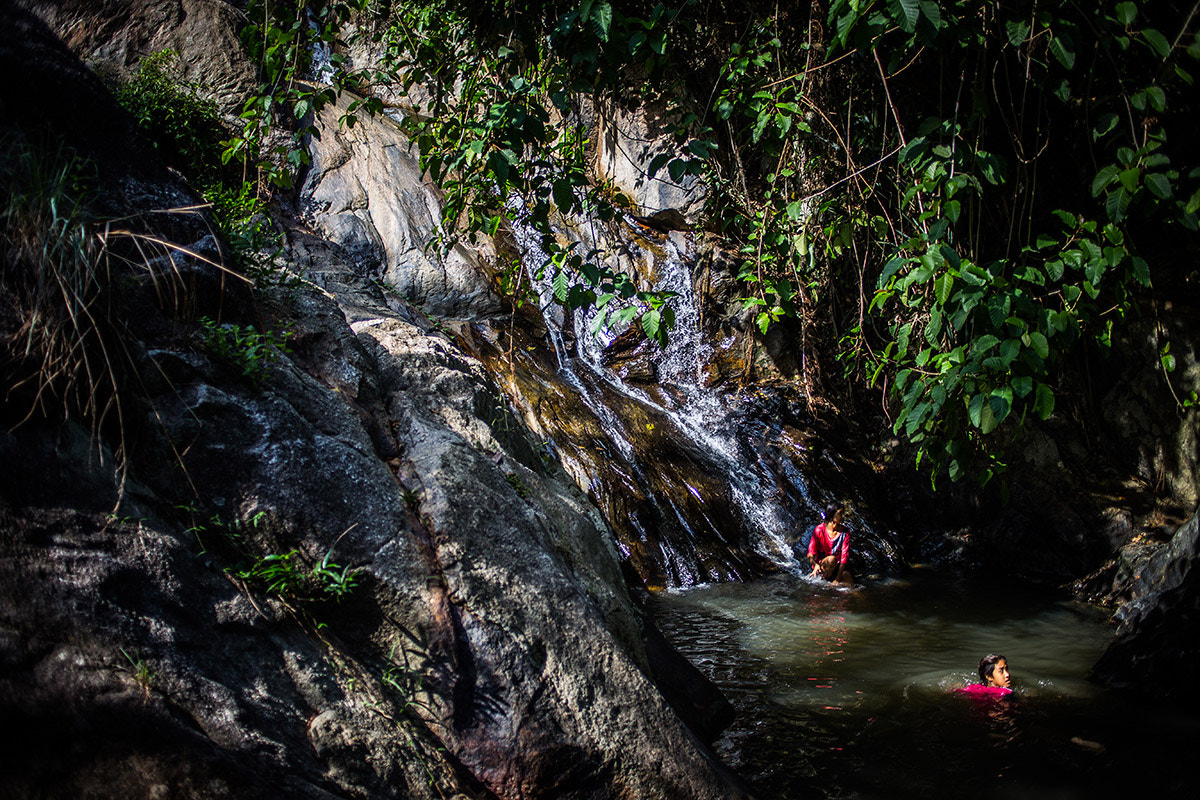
{"points": [[849, 694]]}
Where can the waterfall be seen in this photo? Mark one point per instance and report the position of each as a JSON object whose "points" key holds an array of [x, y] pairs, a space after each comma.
{"points": [[701, 414]]}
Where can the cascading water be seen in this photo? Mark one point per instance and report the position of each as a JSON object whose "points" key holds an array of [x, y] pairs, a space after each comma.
{"points": [[701, 415]]}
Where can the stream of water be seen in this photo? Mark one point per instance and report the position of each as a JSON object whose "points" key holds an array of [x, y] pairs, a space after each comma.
{"points": [[850, 694]]}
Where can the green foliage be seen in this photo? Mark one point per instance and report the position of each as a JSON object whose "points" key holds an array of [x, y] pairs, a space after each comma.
{"points": [[186, 129], [281, 38], [182, 125], [242, 347], [53, 275], [900, 178], [140, 669], [498, 125], [285, 575], [979, 322], [500, 130], [992, 270]]}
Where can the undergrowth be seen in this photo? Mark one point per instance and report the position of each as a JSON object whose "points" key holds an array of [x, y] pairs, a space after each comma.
{"points": [[186, 129], [242, 347]]}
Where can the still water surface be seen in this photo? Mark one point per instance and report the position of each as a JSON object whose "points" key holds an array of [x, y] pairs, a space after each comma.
{"points": [[849, 694]]}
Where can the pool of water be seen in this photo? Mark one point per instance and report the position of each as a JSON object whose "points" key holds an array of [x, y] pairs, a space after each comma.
{"points": [[849, 694]]}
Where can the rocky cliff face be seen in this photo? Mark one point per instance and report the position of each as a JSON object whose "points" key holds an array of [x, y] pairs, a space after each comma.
{"points": [[1158, 642], [485, 644]]}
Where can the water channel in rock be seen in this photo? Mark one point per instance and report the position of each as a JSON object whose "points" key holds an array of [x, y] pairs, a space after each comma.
{"points": [[850, 694]]}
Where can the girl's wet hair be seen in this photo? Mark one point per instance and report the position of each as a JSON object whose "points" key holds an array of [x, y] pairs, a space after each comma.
{"points": [[987, 665], [833, 508]]}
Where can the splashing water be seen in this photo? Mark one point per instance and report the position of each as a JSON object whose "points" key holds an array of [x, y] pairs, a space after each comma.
{"points": [[701, 413]]}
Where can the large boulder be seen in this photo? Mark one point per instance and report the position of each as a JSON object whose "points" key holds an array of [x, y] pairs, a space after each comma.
{"points": [[628, 143], [365, 191], [113, 36], [1158, 642], [173, 628]]}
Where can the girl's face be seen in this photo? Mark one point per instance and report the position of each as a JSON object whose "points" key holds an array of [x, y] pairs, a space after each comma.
{"points": [[838, 516], [1000, 676]]}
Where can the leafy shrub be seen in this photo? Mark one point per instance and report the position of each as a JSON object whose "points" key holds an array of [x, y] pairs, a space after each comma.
{"points": [[242, 347], [184, 126], [284, 575]]}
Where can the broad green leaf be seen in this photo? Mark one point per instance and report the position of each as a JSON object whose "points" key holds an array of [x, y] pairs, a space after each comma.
{"points": [[902, 340], [1157, 41], [1157, 97], [1168, 362], [1022, 385], [651, 324], [1066, 217], [1158, 183], [1104, 125], [951, 257], [984, 343], [1126, 13], [987, 417], [657, 163], [564, 198], [1000, 403], [975, 410], [932, 13], [1009, 350], [1141, 271], [955, 469], [934, 328], [1055, 269], [1063, 49], [1117, 204], [1039, 344], [1017, 31], [942, 287], [912, 12], [1129, 179], [561, 286], [1103, 178], [602, 16], [1043, 402]]}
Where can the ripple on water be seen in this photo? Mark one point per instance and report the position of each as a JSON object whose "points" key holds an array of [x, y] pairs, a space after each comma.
{"points": [[849, 694]]}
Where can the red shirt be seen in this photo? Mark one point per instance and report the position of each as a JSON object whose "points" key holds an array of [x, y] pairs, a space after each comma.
{"points": [[821, 544], [979, 690]]}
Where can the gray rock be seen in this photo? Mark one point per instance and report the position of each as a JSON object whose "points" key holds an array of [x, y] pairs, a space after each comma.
{"points": [[1158, 641], [114, 35], [489, 649], [628, 142], [365, 192]]}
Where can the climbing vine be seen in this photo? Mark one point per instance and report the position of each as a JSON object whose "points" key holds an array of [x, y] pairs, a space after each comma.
{"points": [[899, 177]]}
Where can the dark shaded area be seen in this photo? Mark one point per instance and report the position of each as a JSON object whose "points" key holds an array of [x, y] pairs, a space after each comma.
{"points": [[57, 93], [1158, 644]]}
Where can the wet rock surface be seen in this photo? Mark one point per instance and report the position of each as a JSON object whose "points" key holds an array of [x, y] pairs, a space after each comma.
{"points": [[488, 645], [1158, 640]]}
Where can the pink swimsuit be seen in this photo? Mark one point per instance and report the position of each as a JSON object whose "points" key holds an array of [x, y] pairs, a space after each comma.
{"points": [[979, 690]]}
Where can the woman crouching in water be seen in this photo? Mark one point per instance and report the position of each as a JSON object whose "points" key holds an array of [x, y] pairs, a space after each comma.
{"points": [[830, 547]]}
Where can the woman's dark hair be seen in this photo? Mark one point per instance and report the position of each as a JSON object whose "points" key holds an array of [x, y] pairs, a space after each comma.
{"points": [[987, 665], [832, 509]]}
